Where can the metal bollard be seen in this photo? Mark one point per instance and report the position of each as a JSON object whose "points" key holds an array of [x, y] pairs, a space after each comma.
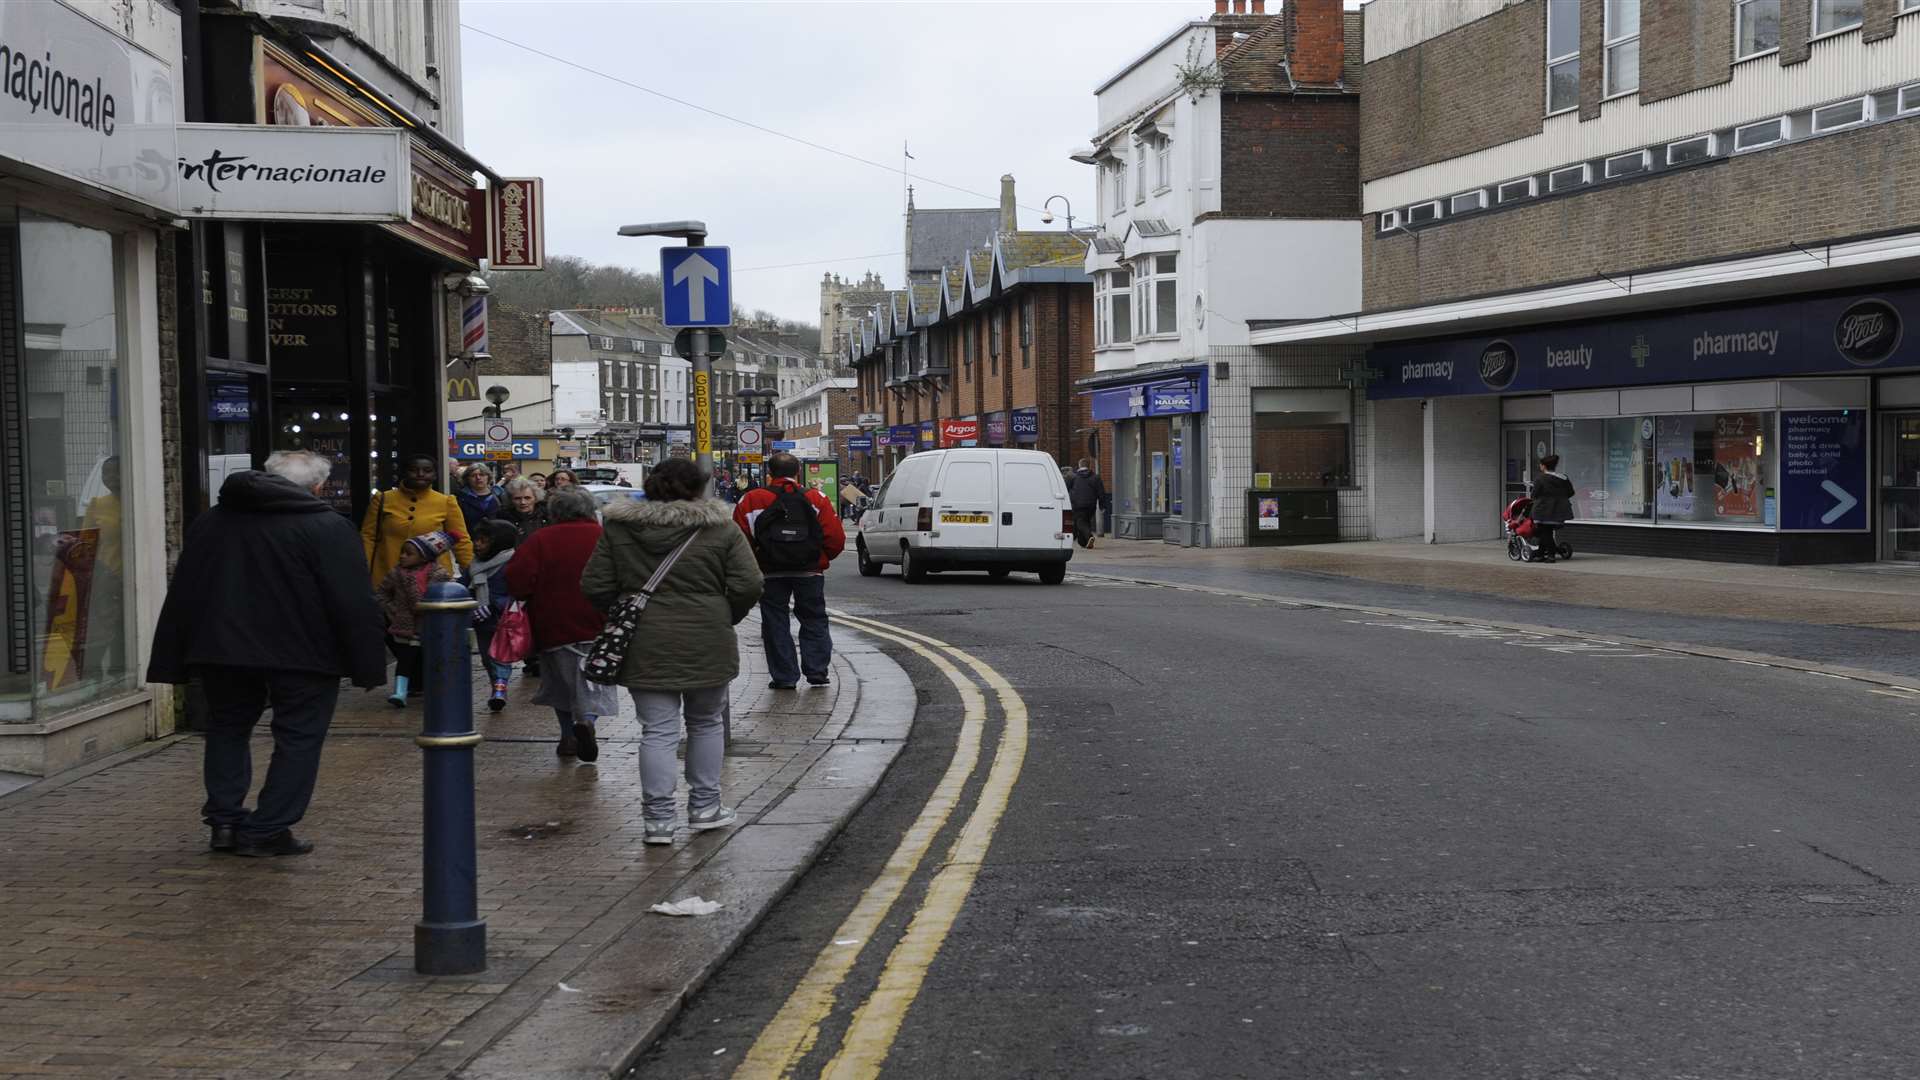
{"points": [[450, 938]]}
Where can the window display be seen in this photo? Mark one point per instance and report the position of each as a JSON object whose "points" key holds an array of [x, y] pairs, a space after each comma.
{"points": [[1696, 468]]}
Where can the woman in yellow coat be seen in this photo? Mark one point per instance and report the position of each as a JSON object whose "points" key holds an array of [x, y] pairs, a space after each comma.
{"points": [[400, 514]]}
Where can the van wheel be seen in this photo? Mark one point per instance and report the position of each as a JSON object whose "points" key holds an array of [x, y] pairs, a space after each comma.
{"points": [[1053, 575], [868, 568], [911, 568], [999, 575]]}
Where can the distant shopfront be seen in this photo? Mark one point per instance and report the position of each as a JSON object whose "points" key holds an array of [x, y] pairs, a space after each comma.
{"points": [[1783, 432], [1159, 434]]}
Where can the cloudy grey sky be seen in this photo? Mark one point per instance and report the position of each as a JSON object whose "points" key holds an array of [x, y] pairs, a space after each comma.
{"points": [[976, 88]]}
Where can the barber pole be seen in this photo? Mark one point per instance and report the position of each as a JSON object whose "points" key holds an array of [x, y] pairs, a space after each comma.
{"points": [[473, 327]]}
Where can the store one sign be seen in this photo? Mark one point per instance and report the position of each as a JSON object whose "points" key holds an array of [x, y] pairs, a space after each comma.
{"points": [[78, 100], [1026, 425], [262, 172]]}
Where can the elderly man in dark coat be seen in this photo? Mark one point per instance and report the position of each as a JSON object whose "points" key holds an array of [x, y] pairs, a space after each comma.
{"points": [[269, 604]]}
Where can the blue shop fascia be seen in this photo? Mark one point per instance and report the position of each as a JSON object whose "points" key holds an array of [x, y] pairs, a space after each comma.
{"points": [[1784, 431]]}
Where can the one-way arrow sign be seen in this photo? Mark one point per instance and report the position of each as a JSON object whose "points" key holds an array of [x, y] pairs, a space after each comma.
{"points": [[697, 283]]}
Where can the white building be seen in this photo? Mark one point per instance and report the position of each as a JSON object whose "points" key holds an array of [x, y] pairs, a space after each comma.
{"points": [[1227, 191]]}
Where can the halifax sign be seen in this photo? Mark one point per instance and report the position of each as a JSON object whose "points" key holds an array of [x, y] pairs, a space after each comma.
{"points": [[1829, 334]]}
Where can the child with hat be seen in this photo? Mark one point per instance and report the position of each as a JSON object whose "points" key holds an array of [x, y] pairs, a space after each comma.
{"points": [[400, 595]]}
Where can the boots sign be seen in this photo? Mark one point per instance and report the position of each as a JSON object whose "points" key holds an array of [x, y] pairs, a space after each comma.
{"points": [[264, 172]]}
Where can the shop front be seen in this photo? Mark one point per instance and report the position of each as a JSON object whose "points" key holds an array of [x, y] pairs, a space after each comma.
{"points": [[1159, 436], [1778, 432], [86, 201]]}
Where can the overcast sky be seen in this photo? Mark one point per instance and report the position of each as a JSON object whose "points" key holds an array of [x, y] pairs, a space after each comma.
{"points": [[976, 88]]}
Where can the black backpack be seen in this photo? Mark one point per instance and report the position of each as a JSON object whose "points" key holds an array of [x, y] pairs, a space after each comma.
{"points": [[787, 534]]}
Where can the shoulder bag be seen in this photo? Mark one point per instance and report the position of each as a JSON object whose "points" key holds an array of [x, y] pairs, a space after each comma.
{"points": [[609, 652]]}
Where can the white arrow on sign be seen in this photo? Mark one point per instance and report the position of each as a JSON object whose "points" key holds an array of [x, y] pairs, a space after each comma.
{"points": [[1843, 502], [695, 273]]}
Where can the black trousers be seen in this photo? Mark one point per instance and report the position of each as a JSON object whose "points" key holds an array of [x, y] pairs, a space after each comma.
{"points": [[303, 706], [408, 660], [1543, 535], [1083, 529]]}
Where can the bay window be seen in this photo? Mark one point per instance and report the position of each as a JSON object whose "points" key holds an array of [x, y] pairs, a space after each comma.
{"points": [[1113, 308], [1156, 296]]}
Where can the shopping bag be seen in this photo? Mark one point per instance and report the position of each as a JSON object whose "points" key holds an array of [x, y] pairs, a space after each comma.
{"points": [[512, 636]]}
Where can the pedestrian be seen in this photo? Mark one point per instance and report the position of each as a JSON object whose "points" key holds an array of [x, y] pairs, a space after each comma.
{"points": [[795, 535], [562, 478], [850, 496], [1552, 496], [525, 511], [493, 545], [684, 654], [539, 480], [479, 499], [400, 594], [545, 575], [399, 514], [266, 608], [1085, 492]]}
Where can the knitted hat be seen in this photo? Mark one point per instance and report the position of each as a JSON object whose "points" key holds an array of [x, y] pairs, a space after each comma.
{"points": [[431, 545]]}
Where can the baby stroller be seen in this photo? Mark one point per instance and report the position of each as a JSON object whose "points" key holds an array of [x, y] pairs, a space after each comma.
{"points": [[1516, 523]]}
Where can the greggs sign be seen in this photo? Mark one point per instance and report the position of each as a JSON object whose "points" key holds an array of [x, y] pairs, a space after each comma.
{"points": [[957, 432]]}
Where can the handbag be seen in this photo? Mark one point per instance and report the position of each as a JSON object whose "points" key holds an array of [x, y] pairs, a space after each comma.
{"points": [[609, 650], [512, 635]]}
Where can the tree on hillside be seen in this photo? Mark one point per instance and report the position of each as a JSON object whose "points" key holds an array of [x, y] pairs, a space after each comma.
{"points": [[572, 282]]}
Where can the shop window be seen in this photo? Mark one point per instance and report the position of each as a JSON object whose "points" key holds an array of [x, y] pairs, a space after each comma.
{"points": [[68, 614], [1563, 55], [1833, 16], [1697, 468], [1756, 27], [1623, 47]]}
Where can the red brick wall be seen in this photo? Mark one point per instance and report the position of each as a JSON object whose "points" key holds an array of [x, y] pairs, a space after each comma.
{"points": [[1290, 157]]}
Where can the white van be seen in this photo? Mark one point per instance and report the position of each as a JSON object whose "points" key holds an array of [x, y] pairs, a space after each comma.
{"points": [[980, 509]]}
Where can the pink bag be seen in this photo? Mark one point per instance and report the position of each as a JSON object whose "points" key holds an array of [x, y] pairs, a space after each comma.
{"points": [[512, 635]]}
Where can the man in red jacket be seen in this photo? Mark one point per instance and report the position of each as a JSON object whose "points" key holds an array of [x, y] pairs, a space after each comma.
{"points": [[795, 534]]}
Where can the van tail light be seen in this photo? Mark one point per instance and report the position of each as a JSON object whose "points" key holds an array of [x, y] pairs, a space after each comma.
{"points": [[925, 522], [1066, 521]]}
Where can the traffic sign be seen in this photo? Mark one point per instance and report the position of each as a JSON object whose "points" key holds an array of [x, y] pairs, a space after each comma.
{"points": [[683, 344], [499, 435], [697, 286], [784, 444], [749, 437]]}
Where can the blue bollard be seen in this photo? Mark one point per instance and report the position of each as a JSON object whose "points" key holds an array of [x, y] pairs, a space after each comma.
{"points": [[450, 938]]}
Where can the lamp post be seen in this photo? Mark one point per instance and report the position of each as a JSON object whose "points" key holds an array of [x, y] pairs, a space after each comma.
{"points": [[695, 234], [497, 395], [1046, 212]]}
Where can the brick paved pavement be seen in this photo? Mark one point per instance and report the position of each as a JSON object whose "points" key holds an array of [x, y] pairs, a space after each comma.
{"points": [[128, 950]]}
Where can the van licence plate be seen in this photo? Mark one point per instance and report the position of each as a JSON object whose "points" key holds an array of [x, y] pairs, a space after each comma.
{"points": [[965, 519]]}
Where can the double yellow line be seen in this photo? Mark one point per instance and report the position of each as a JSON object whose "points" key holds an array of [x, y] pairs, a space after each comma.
{"points": [[795, 1029]]}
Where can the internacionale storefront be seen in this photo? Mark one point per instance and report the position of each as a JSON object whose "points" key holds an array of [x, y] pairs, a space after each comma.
{"points": [[1684, 260]]}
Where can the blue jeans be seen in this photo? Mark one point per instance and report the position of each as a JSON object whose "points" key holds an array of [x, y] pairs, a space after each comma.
{"points": [[806, 596], [496, 671]]}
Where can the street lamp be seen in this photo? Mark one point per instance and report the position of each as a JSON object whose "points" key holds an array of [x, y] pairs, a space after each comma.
{"points": [[695, 234], [1046, 212], [498, 395]]}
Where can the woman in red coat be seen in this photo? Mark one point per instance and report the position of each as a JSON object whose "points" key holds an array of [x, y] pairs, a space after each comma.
{"points": [[545, 575]]}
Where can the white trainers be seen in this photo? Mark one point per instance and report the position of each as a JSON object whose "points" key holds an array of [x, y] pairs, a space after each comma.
{"points": [[659, 832], [719, 817]]}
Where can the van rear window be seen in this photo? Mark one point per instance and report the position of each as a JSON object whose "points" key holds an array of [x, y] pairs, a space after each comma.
{"points": [[968, 481], [1027, 482]]}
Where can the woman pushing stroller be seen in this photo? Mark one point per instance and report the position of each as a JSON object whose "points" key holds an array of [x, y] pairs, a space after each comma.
{"points": [[1532, 523]]}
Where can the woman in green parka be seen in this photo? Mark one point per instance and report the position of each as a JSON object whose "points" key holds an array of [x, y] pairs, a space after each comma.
{"points": [[684, 655]]}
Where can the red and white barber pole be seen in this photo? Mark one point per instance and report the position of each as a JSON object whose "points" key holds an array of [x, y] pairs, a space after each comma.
{"points": [[473, 327]]}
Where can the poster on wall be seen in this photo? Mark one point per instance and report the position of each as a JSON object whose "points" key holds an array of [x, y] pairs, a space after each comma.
{"points": [[1823, 470], [824, 477], [1269, 515], [1673, 476], [1737, 476]]}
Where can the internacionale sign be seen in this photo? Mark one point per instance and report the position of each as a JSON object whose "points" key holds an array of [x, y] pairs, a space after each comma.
{"points": [[301, 174], [80, 101]]}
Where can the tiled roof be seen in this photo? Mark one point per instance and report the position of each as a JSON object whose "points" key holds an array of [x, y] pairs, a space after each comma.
{"points": [[1033, 248], [926, 302], [1253, 64], [941, 237]]}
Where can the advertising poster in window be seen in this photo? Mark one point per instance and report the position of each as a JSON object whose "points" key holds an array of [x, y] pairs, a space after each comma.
{"points": [[1674, 476], [63, 654], [1737, 476]]}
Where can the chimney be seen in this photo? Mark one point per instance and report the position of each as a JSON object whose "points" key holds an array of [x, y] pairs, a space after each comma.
{"points": [[1318, 32], [1009, 214], [1239, 7], [1259, 7], [1219, 7]]}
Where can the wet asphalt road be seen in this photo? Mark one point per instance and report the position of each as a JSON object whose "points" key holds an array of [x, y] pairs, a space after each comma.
{"points": [[1254, 840]]}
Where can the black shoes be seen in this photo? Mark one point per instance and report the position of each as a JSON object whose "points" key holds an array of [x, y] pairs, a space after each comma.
{"points": [[567, 748], [280, 843], [820, 681], [222, 838], [779, 686], [586, 743]]}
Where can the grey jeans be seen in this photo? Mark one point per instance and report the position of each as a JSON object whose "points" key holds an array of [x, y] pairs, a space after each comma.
{"points": [[660, 714]]}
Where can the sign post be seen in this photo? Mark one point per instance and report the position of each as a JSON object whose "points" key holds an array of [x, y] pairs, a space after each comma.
{"points": [[697, 286], [499, 435], [749, 439]]}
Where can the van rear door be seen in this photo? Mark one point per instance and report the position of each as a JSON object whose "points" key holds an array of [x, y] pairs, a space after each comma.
{"points": [[1031, 498], [966, 511]]}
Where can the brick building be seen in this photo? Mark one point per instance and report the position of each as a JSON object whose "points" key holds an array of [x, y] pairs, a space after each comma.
{"points": [[1674, 243], [1228, 191], [999, 337], [818, 419]]}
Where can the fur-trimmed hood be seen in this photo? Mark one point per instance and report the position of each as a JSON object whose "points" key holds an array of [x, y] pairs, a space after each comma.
{"points": [[660, 526]]}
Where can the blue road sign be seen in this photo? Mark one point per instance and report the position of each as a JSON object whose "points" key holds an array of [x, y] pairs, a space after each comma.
{"points": [[698, 286], [784, 444]]}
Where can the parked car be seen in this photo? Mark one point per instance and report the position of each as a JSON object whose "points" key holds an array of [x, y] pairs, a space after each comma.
{"points": [[606, 493], [969, 509]]}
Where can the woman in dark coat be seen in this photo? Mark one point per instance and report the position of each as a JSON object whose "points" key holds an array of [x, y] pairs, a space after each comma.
{"points": [[479, 498], [526, 511], [684, 655], [545, 575], [1552, 506]]}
